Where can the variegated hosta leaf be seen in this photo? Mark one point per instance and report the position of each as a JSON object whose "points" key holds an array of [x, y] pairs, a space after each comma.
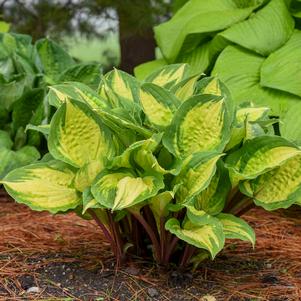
{"points": [[44, 186], [87, 174], [252, 113], [236, 228], [89, 203], [43, 128], [245, 126], [169, 76], [120, 190], [209, 237], [213, 86], [78, 137], [158, 104], [278, 188], [59, 94], [195, 175], [185, 88], [199, 217], [159, 206], [212, 199], [120, 90], [201, 124], [259, 155]]}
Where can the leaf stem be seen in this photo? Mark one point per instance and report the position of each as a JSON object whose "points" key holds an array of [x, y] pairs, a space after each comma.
{"points": [[150, 233]]}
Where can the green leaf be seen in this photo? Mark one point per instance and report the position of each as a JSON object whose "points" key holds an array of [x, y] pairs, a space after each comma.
{"points": [[26, 107], [260, 155], [202, 123], [212, 199], [209, 237], [43, 186], [236, 228], [78, 137], [278, 188], [121, 190], [5, 140], [240, 69], [43, 128], [59, 94], [158, 104], [142, 71], [86, 73], [13, 159], [52, 59], [170, 75], [195, 176], [258, 32], [195, 21], [11, 92], [282, 69], [291, 123]]}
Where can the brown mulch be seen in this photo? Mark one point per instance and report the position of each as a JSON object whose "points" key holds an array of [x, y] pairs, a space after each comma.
{"points": [[67, 259]]}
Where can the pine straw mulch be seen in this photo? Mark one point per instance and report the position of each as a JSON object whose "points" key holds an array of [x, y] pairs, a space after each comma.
{"points": [[67, 259]]}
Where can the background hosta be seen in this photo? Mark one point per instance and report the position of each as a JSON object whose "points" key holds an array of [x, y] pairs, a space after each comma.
{"points": [[25, 72], [254, 47], [169, 163]]}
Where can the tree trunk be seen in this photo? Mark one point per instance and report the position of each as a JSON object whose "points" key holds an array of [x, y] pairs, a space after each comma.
{"points": [[136, 36]]}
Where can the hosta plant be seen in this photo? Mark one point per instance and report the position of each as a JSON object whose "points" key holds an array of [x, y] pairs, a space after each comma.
{"points": [[26, 71], [165, 167]]}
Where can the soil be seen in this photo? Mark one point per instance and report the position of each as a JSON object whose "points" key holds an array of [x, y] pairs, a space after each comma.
{"points": [[62, 257]]}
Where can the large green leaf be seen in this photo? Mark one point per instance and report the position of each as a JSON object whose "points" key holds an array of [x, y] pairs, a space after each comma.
{"points": [[209, 237], [240, 69], [202, 123], [195, 21], [52, 59], [158, 104], [290, 124], [282, 69], [260, 155], [236, 228], [265, 31], [278, 188], [195, 175], [212, 199], [121, 190], [78, 137], [43, 186]]}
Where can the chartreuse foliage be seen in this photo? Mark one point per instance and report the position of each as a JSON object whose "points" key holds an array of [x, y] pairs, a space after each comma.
{"points": [[169, 162], [254, 47], [26, 71]]}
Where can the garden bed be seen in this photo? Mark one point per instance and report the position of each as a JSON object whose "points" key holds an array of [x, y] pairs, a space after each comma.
{"points": [[65, 258]]}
